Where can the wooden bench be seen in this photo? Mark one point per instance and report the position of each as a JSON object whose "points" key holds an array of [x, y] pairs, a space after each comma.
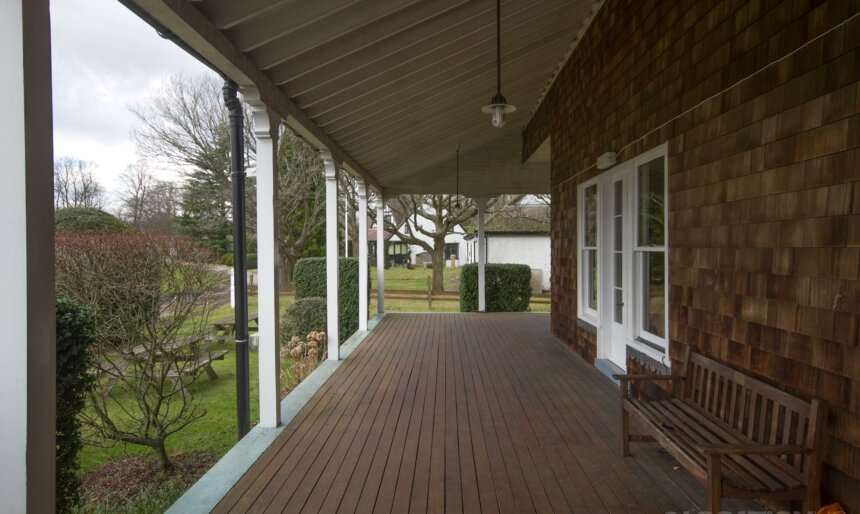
{"points": [[739, 436], [224, 329], [204, 362]]}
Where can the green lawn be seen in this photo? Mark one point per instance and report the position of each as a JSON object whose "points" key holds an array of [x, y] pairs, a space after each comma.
{"points": [[216, 432], [403, 279]]}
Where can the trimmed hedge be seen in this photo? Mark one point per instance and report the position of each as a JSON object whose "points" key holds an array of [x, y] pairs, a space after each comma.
{"points": [[309, 281], [508, 287], [250, 260], [75, 337], [87, 219], [302, 317]]}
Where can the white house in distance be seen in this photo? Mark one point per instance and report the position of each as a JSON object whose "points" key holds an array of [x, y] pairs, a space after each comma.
{"points": [[402, 253], [517, 235]]}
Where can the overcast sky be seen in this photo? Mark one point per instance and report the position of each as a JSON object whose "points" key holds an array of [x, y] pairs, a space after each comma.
{"points": [[105, 58]]}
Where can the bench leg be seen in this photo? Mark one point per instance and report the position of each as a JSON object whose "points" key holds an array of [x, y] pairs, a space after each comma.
{"points": [[211, 372], [715, 483], [625, 432]]}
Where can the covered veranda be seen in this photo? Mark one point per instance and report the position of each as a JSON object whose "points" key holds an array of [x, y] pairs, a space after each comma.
{"points": [[416, 412], [460, 413]]}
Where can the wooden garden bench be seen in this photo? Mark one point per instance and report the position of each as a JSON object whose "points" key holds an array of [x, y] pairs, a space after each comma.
{"points": [[739, 436]]}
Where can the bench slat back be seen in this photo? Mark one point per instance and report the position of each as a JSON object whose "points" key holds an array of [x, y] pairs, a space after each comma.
{"points": [[763, 413]]}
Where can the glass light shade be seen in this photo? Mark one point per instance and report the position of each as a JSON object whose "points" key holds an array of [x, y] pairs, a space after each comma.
{"points": [[498, 108]]}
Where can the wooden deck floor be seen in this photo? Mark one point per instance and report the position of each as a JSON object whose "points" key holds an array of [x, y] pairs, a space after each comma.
{"points": [[462, 413]]}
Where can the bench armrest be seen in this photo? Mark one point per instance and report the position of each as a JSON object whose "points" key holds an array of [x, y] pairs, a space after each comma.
{"points": [[753, 449], [654, 376]]}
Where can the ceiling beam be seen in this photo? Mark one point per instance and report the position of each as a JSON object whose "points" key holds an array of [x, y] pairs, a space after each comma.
{"points": [[184, 20], [293, 39], [357, 49], [447, 52], [346, 124]]}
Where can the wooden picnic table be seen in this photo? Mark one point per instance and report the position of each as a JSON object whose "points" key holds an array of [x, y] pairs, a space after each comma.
{"points": [[225, 328], [202, 361]]}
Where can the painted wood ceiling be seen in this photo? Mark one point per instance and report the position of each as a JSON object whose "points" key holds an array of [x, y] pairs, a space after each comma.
{"points": [[391, 86]]}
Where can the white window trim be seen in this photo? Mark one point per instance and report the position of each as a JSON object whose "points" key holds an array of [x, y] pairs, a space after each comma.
{"points": [[639, 251], [584, 312]]}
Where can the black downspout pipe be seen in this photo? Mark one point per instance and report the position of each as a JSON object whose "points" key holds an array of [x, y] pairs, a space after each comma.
{"points": [[240, 267]]}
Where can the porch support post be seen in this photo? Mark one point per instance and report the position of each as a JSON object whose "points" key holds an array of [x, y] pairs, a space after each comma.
{"points": [[331, 254], [28, 366], [363, 271], [266, 128], [345, 224], [380, 254], [482, 256]]}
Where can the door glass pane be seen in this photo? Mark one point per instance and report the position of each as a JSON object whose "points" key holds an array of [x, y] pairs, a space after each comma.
{"points": [[617, 193], [619, 269], [651, 201], [591, 215], [619, 306], [654, 293], [591, 278]]}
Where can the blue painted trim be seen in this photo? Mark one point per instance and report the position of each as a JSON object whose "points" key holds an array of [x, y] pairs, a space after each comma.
{"points": [[205, 494], [608, 368]]}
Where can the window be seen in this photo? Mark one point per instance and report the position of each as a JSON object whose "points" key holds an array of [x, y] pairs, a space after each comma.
{"points": [[451, 249], [398, 249], [588, 255], [651, 250]]}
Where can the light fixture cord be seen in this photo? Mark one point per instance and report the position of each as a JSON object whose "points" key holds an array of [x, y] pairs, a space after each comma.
{"points": [[457, 188], [499, 47]]}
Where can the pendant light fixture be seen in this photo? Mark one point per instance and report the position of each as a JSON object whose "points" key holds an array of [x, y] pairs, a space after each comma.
{"points": [[498, 106], [457, 159]]}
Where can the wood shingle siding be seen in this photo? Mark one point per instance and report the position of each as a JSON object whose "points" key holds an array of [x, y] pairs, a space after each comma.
{"points": [[760, 105]]}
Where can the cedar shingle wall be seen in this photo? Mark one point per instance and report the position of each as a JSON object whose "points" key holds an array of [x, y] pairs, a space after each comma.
{"points": [[764, 181]]}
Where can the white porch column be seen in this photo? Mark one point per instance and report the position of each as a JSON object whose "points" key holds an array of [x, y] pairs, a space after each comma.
{"points": [[28, 366], [331, 254], [380, 254], [363, 271], [345, 225], [266, 127], [482, 256]]}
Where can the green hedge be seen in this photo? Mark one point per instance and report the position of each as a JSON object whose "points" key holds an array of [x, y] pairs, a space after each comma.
{"points": [[87, 219], [250, 260], [508, 288], [75, 336], [309, 281], [303, 317]]}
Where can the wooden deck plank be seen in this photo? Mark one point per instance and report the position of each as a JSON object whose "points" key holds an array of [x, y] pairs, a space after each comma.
{"points": [[462, 413]]}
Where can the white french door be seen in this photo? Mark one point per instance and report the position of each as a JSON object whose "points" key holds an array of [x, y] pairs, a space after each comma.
{"points": [[619, 267]]}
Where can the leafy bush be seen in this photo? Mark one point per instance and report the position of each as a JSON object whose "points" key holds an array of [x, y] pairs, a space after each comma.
{"points": [[309, 279], [87, 219], [508, 287], [75, 337], [304, 316], [227, 259]]}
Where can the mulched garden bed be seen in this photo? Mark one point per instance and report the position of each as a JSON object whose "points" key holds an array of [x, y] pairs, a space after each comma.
{"points": [[131, 476]]}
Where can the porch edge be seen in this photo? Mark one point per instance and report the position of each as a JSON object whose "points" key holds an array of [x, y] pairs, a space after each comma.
{"points": [[205, 494]]}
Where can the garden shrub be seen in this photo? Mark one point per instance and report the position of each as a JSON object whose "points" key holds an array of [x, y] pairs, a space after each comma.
{"points": [[250, 260], [304, 316], [309, 281], [75, 337], [87, 219], [508, 287]]}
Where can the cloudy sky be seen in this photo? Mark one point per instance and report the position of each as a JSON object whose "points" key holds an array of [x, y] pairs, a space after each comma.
{"points": [[105, 58]]}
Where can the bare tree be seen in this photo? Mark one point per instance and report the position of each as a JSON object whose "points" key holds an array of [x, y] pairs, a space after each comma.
{"points": [[151, 297], [301, 198], [185, 125], [75, 185], [444, 213], [147, 202]]}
